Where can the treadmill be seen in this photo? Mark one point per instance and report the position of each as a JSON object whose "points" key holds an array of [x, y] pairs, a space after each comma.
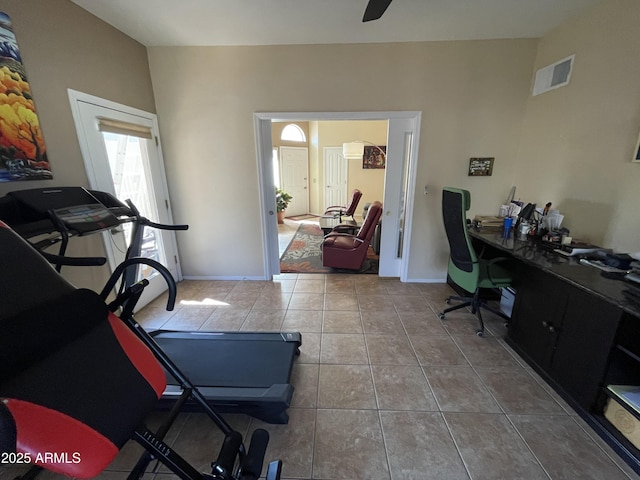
{"points": [[236, 372]]}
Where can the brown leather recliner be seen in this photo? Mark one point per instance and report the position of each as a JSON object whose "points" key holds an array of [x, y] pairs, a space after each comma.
{"points": [[343, 250], [347, 211]]}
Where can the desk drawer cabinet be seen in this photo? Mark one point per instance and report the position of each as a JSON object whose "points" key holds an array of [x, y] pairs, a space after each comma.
{"points": [[565, 332], [537, 314], [588, 331]]}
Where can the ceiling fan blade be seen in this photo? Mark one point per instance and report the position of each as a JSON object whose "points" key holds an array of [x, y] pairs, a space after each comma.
{"points": [[375, 9]]}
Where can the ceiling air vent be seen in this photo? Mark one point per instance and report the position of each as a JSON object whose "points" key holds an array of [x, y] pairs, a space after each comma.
{"points": [[553, 76]]}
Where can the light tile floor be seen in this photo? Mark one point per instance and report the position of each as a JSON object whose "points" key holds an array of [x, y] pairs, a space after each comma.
{"points": [[384, 389]]}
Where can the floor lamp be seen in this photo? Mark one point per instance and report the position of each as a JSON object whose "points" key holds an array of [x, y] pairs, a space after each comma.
{"points": [[355, 150]]}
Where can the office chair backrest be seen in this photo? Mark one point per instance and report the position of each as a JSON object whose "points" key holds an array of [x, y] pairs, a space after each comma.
{"points": [[463, 264], [370, 222]]}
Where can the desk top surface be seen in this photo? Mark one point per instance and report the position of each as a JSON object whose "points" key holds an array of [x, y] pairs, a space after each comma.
{"points": [[568, 269]]}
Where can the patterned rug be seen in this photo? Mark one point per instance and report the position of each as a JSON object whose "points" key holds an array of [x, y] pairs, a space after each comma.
{"points": [[303, 254], [302, 217]]}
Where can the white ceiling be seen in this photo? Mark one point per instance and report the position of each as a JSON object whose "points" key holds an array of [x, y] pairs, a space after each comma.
{"points": [[278, 22]]}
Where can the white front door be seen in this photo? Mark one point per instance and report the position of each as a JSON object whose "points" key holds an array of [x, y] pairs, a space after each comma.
{"points": [[130, 167], [335, 177], [294, 172]]}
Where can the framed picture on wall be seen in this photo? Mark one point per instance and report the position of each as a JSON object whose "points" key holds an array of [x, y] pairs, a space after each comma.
{"points": [[23, 155], [636, 152], [374, 157], [481, 167]]}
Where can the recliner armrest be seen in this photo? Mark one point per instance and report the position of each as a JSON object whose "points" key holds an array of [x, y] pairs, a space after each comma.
{"points": [[339, 234], [331, 238]]}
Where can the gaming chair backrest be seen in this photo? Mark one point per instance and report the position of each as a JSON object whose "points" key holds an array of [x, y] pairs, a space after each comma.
{"points": [[463, 265], [370, 222], [73, 377], [32, 280]]}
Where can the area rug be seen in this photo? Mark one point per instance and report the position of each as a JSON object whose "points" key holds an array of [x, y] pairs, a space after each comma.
{"points": [[302, 217], [303, 254]]}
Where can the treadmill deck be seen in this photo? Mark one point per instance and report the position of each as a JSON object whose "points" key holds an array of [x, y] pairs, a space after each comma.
{"points": [[237, 372]]}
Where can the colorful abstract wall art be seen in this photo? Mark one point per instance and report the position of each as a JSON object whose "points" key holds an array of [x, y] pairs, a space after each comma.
{"points": [[23, 155]]}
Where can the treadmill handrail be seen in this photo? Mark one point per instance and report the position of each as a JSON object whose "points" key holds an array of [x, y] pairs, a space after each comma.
{"points": [[161, 269]]}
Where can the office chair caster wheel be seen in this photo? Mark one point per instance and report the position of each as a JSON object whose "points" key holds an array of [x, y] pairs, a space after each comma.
{"points": [[480, 333], [441, 316], [447, 301]]}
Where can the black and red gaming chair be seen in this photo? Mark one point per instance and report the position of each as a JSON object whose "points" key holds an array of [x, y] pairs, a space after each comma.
{"points": [[75, 381]]}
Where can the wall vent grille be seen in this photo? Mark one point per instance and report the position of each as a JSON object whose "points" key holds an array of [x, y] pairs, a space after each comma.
{"points": [[553, 76]]}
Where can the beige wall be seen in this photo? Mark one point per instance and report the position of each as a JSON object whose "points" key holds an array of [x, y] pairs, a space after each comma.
{"points": [[578, 140], [472, 95], [63, 46], [571, 146]]}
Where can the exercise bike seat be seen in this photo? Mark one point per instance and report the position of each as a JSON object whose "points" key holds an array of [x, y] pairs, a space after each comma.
{"points": [[75, 382]]}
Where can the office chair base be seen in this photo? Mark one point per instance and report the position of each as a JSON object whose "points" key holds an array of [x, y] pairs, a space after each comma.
{"points": [[476, 305]]}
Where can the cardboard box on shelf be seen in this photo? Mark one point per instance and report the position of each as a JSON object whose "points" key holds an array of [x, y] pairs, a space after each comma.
{"points": [[623, 420]]}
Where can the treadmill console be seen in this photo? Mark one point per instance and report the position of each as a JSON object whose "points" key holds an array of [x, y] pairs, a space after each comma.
{"points": [[86, 218], [78, 211]]}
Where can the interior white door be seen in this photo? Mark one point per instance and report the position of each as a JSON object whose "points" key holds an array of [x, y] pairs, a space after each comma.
{"points": [[129, 167], [335, 177], [396, 196], [294, 172]]}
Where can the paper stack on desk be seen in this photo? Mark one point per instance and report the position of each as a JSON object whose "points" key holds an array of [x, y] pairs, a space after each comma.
{"points": [[486, 222]]}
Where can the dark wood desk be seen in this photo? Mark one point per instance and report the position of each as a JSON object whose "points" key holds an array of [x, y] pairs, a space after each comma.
{"points": [[567, 269], [575, 327]]}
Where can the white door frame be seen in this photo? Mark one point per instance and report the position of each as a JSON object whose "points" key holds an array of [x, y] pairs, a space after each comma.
{"points": [[76, 97], [262, 126]]}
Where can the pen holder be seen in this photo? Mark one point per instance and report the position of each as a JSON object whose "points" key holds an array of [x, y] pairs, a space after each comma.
{"points": [[508, 223]]}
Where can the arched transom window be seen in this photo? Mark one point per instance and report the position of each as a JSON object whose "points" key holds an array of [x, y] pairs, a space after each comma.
{"points": [[293, 133]]}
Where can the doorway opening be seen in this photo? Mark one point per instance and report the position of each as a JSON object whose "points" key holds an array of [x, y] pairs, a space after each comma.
{"points": [[399, 182]]}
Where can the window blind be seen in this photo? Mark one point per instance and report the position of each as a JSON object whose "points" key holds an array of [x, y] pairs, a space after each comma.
{"points": [[123, 128]]}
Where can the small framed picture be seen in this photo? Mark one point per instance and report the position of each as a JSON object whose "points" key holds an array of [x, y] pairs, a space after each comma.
{"points": [[481, 167], [636, 152]]}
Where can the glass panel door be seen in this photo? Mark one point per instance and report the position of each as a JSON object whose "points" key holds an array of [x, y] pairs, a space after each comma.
{"points": [[128, 164]]}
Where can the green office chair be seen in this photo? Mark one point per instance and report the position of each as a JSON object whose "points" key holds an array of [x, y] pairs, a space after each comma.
{"points": [[465, 268]]}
